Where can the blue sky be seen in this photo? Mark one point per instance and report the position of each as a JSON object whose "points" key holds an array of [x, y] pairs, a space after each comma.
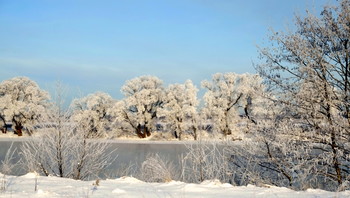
{"points": [[97, 45]]}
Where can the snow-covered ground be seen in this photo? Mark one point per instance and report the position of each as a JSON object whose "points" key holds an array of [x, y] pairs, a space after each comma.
{"points": [[127, 187]]}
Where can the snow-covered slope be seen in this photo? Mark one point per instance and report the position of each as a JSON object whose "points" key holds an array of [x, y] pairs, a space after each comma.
{"points": [[127, 187]]}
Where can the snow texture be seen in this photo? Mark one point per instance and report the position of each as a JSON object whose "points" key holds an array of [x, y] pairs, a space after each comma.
{"points": [[128, 187]]}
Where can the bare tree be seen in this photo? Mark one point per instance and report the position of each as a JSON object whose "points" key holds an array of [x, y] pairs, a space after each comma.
{"points": [[157, 169], [308, 71], [62, 148]]}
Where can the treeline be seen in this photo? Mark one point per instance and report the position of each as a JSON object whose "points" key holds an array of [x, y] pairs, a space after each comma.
{"points": [[231, 104]]}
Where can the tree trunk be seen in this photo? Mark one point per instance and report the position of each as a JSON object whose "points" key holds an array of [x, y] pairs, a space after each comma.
{"points": [[346, 81], [178, 131], [336, 163], [194, 132], [227, 130], [175, 134], [334, 143], [18, 127], [139, 131], [147, 131], [18, 130], [4, 128], [142, 131], [60, 161], [81, 164]]}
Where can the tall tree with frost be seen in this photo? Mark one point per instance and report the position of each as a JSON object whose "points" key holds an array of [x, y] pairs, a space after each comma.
{"points": [[92, 111], [309, 71], [180, 109], [144, 96], [22, 102], [121, 124], [228, 96]]}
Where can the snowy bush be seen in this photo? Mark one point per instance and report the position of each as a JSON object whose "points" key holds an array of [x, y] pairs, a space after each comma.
{"points": [[205, 161], [156, 169], [7, 166], [9, 163]]}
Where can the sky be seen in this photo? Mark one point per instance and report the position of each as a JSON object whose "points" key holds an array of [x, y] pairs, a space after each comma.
{"points": [[98, 45]]}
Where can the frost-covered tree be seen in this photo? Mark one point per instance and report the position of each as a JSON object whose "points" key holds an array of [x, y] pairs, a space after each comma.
{"points": [[92, 111], [143, 97], [3, 127], [180, 109], [230, 96], [121, 124], [62, 147], [22, 102], [308, 70]]}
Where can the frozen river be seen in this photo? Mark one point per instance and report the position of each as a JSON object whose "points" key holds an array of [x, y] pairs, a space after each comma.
{"points": [[127, 152]]}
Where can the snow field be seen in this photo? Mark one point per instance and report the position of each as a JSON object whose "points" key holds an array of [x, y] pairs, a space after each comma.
{"points": [[129, 187]]}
